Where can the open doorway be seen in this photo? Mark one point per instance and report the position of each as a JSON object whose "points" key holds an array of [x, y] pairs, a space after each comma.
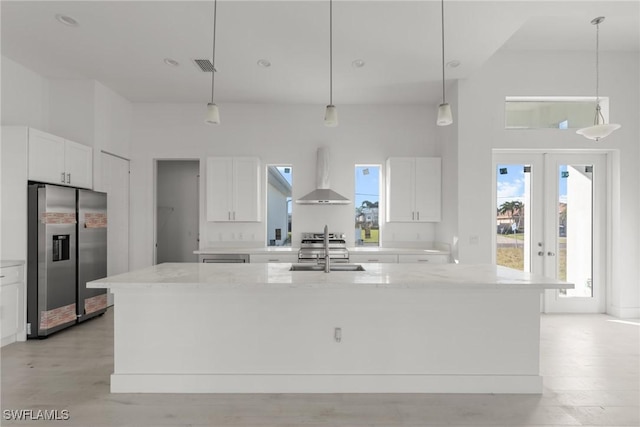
{"points": [[177, 210]]}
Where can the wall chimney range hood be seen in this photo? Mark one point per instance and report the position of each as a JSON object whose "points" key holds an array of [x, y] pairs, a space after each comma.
{"points": [[323, 195]]}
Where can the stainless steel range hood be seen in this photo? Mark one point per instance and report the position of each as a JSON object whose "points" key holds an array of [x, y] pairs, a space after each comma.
{"points": [[323, 195]]}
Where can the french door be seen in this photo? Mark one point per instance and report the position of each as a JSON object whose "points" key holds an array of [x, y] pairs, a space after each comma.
{"points": [[551, 220]]}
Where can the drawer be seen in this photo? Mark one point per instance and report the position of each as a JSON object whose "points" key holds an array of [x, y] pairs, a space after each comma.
{"points": [[380, 258], [10, 275], [424, 259], [264, 258]]}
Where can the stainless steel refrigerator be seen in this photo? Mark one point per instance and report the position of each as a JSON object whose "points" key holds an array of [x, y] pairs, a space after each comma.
{"points": [[67, 247]]}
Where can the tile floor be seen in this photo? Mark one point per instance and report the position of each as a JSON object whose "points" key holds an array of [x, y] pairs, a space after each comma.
{"points": [[590, 365]]}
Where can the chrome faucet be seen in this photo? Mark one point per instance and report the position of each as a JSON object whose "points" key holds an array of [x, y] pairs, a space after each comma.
{"points": [[327, 262]]}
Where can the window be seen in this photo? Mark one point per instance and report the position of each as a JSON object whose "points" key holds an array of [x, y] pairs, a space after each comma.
{"points": [[551, 112], [279, 185], [367, 205]]}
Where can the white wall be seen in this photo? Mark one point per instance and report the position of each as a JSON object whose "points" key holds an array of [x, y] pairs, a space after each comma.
{"points": [[25, 96], [481, 129], [278, 135]]}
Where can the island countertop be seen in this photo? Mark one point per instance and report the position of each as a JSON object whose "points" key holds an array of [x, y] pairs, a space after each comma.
{"points": [[278, 276]]}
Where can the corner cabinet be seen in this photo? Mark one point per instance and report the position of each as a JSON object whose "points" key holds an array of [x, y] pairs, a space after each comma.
{"points": [[233, 189], [414, 189], [55, 160]]}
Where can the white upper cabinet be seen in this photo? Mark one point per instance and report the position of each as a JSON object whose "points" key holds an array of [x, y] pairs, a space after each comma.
{"points": [[414, 189], [58, 161], [78, 160], [233, 189]]}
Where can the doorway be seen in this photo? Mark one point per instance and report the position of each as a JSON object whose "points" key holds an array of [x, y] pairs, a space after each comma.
{"points": [[177, 210], [551, 220]]}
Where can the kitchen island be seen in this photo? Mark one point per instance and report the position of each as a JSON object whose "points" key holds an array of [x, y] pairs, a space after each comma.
{"points": [[261, 328]]}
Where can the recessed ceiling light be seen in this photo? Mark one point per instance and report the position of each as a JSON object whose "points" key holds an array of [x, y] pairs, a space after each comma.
{"points": [[171, 62], [453, 64], [264, 63], [67, 20], [357, 63]]}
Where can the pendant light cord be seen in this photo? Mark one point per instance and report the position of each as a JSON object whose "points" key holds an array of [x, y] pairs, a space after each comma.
{"points": [[330, 52], [442, 12], [213, 52], [597, 63]]}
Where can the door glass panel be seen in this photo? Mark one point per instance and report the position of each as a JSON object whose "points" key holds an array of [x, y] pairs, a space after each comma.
{"points": [[279, 206], [575, 229], [367, 205], [513, 219]]}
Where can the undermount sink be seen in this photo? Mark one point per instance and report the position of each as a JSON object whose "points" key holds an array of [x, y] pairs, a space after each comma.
{"points": [[320, 267]]}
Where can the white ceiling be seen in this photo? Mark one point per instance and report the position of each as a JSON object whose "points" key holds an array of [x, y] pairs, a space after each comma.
{"points": [[123, 43]]}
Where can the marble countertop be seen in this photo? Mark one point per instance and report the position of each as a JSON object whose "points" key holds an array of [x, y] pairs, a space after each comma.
{"points": [[10, 263], [278, 276], [288, 249]]}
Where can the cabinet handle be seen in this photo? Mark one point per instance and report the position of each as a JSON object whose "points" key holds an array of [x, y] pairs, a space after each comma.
{"points": [[68, 178], [62, 177], [274, 260], [229, 215], [1, 277], [413, 216], [373, 260], [418, 216], [234, 215], [423, 260]]}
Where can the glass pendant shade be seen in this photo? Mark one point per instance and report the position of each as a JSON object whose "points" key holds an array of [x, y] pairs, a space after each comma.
{"points": [[445, 118], [213, 115], [331, 116], [596, 132]]}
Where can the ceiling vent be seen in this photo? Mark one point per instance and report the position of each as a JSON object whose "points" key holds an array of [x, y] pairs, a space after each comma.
{"points": [[204, 65]]}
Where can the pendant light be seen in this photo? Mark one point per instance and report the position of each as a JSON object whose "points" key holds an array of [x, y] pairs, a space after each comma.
{"points": [[445, 118], [331, 113], [600, 128], [213, 115]]}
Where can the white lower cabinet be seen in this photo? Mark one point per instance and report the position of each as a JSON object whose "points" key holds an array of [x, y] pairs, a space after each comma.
{"points": [[12, 305], [424, 259], [264, 258], [379, 258]]}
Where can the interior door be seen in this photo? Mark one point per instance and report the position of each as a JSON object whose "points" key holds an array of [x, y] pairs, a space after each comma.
{"points": [[115, 182], [550, 220]]}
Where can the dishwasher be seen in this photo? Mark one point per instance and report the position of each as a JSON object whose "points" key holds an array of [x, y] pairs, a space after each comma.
{"points": [[225, 258]]}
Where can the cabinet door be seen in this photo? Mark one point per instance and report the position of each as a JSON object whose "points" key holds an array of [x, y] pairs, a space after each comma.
{"points": [[219, 185], [400, 189], [9, 310], [428, 189], [78, 164], [246, 189], [46, 158]]}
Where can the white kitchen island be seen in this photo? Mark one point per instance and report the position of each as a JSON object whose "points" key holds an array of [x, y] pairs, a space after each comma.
{"points": [[260, 328]]}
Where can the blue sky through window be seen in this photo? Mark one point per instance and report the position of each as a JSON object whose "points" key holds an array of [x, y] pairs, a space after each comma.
{"points": [[510, 185], [367, 184]]}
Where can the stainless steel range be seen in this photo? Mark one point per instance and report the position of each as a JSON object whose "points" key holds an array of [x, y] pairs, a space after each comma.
{"points": [[312, 247]]}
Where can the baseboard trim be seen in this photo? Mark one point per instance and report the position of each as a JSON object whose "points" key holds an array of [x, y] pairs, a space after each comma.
{"points": [[624, 312], [261, 383]]}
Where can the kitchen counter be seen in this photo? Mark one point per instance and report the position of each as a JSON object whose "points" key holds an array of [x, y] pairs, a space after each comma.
{"points": [[294, 250], [260, 328], [278, 276]]}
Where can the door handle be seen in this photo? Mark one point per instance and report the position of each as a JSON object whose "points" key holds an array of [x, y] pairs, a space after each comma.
{"points": [[551, 254], [540, 253]]}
